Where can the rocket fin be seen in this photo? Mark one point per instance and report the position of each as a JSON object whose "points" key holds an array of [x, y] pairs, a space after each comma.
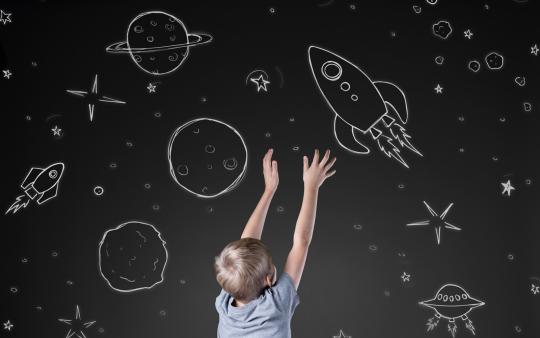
{"points": [[394, 96], [31, 177], [349, 137], [47, 195]]}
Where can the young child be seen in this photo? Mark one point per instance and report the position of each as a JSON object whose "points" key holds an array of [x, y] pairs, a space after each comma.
{"points": [[252, 304]]}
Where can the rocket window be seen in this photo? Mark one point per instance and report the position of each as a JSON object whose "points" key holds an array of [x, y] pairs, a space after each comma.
{"points": [[331, 70]]}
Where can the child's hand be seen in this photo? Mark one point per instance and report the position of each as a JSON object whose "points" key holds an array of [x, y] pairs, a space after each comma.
{"points": [[316, 173], [270, 172]]}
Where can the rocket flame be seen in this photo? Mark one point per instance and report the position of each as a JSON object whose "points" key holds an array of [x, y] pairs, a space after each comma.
{"points": [[21, 202]]}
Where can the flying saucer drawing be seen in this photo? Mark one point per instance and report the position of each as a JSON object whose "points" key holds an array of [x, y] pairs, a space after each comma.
{"points": [[158, 42], [451, 302], [361, 106]]}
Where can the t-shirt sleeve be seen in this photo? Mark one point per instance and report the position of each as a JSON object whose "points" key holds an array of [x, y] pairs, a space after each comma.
{"points": [[285, 293]]}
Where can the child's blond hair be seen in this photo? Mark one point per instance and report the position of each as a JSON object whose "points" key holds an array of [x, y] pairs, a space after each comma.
{"points": [[242, 267]]}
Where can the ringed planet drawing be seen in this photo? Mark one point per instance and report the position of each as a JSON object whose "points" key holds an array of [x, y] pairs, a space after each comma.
{"points": [[361, 106], [158, 42]]}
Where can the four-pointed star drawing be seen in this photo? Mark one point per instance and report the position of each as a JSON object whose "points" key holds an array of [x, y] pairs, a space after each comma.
{"points": [[77, 326], [93, 96], [342, 335], [437, 221]]}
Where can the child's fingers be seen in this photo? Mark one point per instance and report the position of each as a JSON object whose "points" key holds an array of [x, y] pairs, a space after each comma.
{"points": [[315, 160], [306, 164], [325, 158], [267, 158], [330, 174], [274, 167], [330, 164]]}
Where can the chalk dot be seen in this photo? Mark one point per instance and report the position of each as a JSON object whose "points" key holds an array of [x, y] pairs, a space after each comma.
{"points": [[495, 158], [230, 163], [393, 34], [182, 281], [101, 330], [352, 7], [386, 293], [280, 209], [291, 119], [373, 248], [113, 165], [28, 118], [267, 134], [69, 282], [182, 170], [150, 38], [169, 27], [272, 10], [157, 114], [517, 329], [24, 260], [209, 209], [14, 289], [461, 150], [357, 227], [296, 148], [147, 186], [162, 313], [98, 190], [461, 118], [528, 181], [210, 149], [510, 257], [129, 144], [34, 64], [502, 119], [38, 307], [137, 58], [155, 207], [54, 254], [527, 106], [401, 186], [203, 99], [439, 60]]}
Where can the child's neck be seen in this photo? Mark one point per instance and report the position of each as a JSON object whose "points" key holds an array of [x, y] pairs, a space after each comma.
{"points": [[238, 303]]}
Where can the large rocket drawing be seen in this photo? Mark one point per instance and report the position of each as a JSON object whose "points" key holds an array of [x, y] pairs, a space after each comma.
{"points": [[361, 106], [40, 184]]}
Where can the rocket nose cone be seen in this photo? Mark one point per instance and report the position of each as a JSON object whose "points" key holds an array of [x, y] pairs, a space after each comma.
{"points": [[58, 167], [315, 53]]}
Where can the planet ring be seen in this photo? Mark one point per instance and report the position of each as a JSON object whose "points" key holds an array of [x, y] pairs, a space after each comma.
{"points": [[193, 40]]}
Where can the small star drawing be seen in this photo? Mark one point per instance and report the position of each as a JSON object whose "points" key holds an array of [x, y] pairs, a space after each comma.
{"points": [[535, 289], [405, 277], [93, 94], [468, 34], [260, 82], [507, 188], [341, 335], [438, 89], [77, 325], [151, 88], [534, 50], [56, 131], [5, 17], [8, 325], [7, 73], [437, 221]]}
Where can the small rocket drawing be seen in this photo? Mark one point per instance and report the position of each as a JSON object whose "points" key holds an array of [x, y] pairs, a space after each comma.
{"points": [[40, 185]]}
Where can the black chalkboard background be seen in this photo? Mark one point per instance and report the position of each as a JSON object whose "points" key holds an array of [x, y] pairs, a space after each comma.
{"points": [[50, 251]]}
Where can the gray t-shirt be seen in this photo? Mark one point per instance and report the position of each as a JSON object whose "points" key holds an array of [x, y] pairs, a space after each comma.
{"points": [[267, 316]]}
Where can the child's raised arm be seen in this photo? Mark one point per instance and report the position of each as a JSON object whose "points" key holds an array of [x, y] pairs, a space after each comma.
{"points": [[314, 176], [255, 224]]}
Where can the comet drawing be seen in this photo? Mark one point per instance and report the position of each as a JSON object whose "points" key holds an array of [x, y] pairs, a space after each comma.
{"points": [[361, 106], [40, 185]]}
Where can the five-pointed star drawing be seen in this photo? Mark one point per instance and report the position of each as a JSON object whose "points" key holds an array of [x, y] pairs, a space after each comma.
{"points": [[8, 325], [5, 17], [507, 188], [7, 73], [468, 34], [438, 89], [93, 95], [342, 335], [151, 88], [535, 289], [56, 131], [77, 325], [437, 221], [405, 277], [260, 82], [534, 50]]}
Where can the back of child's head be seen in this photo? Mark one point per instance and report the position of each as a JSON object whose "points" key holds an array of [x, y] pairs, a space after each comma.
{"points": [[242, 267]]}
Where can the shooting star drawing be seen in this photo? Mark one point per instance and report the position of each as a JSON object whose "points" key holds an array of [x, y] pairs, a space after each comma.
{"points": [[361, 106], [40, 185]]}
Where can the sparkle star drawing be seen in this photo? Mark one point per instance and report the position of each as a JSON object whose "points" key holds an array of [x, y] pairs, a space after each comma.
{"points": [[7, 73], [341, 335], [260, 82], [8, 325], [5, 17], [151, 88], [405, 277], [93, 97], [77, 326], [438, 89], [535, 289], [507, 188], [437, 221], [468, 34], [534, 50], [56, 131]]}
